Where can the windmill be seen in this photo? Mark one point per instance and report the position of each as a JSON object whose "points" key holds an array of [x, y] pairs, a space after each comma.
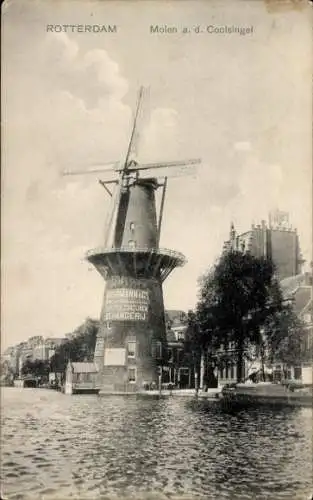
{"points": [[131, 342]]}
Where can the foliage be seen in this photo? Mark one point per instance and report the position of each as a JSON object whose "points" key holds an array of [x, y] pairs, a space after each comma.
{"points": [[284, 334], [193, 338], [80, 347], [236, 298], [36, 368]]}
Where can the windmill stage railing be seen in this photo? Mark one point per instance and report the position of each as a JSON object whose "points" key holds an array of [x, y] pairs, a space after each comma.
{"points": [[157, 251]]}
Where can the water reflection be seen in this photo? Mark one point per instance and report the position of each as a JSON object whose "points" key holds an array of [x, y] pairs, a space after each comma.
{"points": [[98, 447]]}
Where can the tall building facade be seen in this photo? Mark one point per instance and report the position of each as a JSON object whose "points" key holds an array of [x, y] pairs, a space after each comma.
{"points": [[276, 240]]}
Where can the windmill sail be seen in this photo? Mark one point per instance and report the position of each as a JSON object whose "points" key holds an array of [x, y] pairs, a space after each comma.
{"points": [[108, 167], [141, 118], [121, 199], [126, 174], [112, 216]]}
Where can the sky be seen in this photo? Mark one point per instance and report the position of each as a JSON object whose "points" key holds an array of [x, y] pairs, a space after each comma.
{"points": [[241, 103]]}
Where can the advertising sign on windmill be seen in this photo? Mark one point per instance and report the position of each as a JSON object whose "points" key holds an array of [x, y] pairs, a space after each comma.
{"points": [[126, 300]]}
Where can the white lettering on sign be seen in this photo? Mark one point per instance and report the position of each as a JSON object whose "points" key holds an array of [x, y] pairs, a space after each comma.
{"points": [[128, 293], [126, 304], [125, 316]]}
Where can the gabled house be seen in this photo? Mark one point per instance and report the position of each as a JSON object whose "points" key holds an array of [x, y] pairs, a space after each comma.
{"points": [[81, 378]]}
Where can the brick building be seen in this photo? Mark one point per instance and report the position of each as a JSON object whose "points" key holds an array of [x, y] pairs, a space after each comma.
{"points": [[179, 369]]}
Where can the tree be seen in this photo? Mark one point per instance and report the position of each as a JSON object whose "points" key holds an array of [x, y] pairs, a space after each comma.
{"points": [[236, 297], [79, 348], [285, 333], [36, 368], [198, 343], [193, 344]]}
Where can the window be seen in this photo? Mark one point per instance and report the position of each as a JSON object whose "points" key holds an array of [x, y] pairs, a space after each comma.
{"points": [[158, 349], [181, 336], [298, 372], [132, 244], [170, 355], [131, 349], [109, 325], [307, 318], [132, 375], [132, 226]]}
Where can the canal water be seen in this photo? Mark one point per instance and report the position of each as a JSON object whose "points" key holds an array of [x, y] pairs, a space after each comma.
{"points": [[58, 447]]}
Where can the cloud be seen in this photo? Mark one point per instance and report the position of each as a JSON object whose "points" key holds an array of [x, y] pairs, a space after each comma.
{"points": [[260, 188], [242, 146], [90, 76], [52, 127], [60, 48], [160, 139], [48, 220], [70, 114]]}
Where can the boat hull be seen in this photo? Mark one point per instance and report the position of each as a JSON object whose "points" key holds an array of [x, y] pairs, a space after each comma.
{"points": [[243, 401], [265, 395], [85, 391]]}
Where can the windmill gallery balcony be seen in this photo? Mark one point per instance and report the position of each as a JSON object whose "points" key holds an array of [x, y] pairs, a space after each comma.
{"points": [[137, 262]]}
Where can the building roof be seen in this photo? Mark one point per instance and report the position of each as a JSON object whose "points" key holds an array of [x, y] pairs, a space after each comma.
{"points": [[291, 284], [302, 299], [298, 288], [179, 328], [56, 340], [84, 367], [176, 333], [175, 315]]}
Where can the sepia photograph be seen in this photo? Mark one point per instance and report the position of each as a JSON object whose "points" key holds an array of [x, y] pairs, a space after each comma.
{"points": [[156, 250]]}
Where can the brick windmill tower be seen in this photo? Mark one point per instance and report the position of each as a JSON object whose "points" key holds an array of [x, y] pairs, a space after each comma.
{"points": [[131, 342]]}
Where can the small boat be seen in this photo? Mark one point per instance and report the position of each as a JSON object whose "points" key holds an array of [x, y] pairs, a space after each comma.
{"points": [[27, 381], [266, 393], [81, 389]]}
